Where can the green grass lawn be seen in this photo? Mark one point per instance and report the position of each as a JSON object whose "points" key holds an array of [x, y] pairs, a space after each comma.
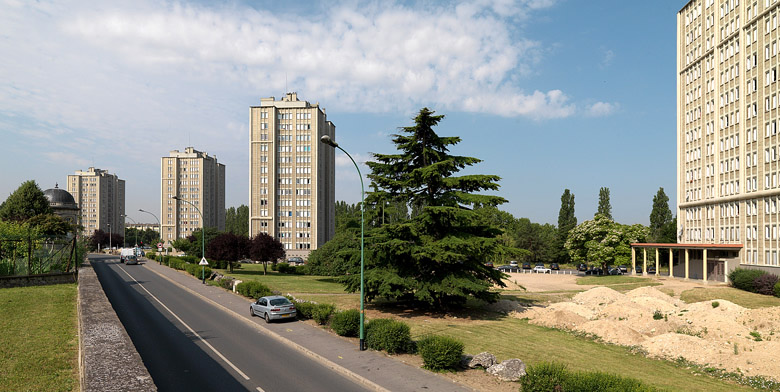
{"points": [[739, 297], [508, 337], [39, 338], [287, 283]]}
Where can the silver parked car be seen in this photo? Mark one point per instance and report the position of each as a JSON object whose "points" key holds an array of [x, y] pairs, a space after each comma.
{"points": [[274, 307]]}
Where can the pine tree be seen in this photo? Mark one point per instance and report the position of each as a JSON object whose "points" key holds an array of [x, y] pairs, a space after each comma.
{"points": [[660, 217], [605, 207], [566, 222], [437, 256]]}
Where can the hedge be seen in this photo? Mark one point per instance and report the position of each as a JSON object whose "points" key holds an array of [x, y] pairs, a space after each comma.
{"points": [[305, 309], [253, 289], [346, 323], [388, 335], [745, 279], [440, 352], [322, 312]]}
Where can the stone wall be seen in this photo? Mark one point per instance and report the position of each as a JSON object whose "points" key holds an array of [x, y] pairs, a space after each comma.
{"points": [[37, 280]]}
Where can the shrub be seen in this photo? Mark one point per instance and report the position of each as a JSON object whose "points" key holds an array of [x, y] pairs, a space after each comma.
{"points": [[346, 323], [551, 376], [283, 268], [176, 263], [744, 279], [253, 289], [544, 377], [777, 289], [440, 352], [388, 335], [715, 304], [657, 315], [599, 381], [300, 270], [226, 283], [305, 309], [765, 284], [190, 259], [197, 270], [321, 313]]}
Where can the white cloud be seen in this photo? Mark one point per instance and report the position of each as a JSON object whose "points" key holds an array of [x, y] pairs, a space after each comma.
{"points": [[601, 109], [609, 55]]}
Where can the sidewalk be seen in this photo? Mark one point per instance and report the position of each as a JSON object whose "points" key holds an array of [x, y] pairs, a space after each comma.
{"points": [[373, 369]]}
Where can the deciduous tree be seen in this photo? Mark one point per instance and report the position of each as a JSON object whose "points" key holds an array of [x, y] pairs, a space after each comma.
{"points": [[228, 247], [603, 241], [265, 249], [24, 203]]}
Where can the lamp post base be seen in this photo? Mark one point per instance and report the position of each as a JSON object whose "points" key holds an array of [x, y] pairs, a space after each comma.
{"points": [[362, 345]]}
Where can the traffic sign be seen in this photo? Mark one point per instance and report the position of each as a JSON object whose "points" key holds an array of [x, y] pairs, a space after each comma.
{"points": [[203, 262]]}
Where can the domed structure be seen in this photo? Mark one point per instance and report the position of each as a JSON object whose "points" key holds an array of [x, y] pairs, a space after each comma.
{"points": [[63, 203]]}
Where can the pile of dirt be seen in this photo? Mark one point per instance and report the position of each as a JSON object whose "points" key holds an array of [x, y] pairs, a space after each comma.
{"points": [[711, 333]]}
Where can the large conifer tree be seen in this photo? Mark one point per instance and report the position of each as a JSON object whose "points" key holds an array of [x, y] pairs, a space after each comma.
{"points": [[566, 222], [436, 257]]}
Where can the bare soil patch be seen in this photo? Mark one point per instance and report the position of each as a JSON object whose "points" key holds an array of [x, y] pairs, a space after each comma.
{"points": [[723, 335]]}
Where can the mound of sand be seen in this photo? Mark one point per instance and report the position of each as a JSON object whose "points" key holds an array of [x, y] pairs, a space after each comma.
{"points": [[713, 336]]}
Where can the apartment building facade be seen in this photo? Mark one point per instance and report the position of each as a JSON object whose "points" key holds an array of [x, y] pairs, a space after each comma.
{"points": [[198, 181], [291, 174], [727, 136], [100, 197]]}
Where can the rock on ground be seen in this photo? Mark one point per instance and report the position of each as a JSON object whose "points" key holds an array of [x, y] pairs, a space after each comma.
{"points": [[509, 370]]}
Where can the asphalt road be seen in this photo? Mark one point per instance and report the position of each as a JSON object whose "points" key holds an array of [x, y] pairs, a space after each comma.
{"points": [[189, 345]]}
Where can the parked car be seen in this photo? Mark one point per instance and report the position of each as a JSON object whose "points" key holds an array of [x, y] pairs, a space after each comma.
{"points": [[582, 267], [489, 264], [540, 269], [513, 264], [526, 265], [651, 269], [506, 268], [639, 269], [554, 266], [623, 269], [273, 307], [594, 271], [614, 271]]}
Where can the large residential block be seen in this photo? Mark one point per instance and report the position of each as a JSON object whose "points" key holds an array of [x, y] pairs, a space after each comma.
{"points": [[100, 196], [198, 180], [727, 133], [291, 174]]}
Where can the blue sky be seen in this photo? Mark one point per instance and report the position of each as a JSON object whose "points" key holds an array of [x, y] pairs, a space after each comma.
{"points": [[551, 94]]}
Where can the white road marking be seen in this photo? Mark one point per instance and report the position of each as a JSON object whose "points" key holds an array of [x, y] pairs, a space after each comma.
{"points": [[188, 327], [260, 389]]}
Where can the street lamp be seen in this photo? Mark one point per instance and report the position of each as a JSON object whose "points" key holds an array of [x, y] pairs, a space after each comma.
{"points": [[159, 229], [109, 239], [327, 140], [136, 229], [202, 238]]}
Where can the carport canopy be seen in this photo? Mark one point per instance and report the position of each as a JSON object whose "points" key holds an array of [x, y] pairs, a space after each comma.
{"points": [[679, 247]]}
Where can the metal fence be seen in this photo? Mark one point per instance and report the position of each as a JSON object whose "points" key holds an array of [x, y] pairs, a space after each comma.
{"points": [[38, 255]]}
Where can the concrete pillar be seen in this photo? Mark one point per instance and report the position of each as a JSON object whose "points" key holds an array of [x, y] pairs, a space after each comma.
{"points": [[725, 271], [644, 261], [671, 260], [657, 262], [633, 260], [686, 264], [704, 265]]}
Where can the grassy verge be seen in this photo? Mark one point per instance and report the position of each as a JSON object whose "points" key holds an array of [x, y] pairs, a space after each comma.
{"points": [[739, 297], [39, 339], [287, 283], [514, 338]]}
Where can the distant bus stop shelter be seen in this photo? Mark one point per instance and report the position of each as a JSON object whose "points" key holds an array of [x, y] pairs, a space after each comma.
{"points": [[708, 262]]}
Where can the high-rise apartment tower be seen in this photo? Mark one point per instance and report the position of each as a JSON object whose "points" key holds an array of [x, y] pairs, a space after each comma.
{"points": [[195, 177], [101, 199], [728, 145], [291, 174]]}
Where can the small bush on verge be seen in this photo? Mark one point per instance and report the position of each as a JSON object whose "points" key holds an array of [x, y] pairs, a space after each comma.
{"points": [[346, 323], [253, 289], [440, 352], [745, 279], [321, 313], [388, 335]]}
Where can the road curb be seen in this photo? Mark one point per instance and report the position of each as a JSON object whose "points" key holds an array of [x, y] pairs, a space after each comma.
{"points": [[317, 357]]}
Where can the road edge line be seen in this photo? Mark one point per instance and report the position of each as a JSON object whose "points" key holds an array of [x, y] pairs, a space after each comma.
{"points": [[319, 358]]}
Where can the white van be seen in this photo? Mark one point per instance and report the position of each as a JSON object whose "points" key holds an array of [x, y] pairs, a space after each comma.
{"points": [[128, 255]]}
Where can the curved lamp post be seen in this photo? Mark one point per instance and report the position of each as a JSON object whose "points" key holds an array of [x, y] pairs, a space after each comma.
{"points": [[202, 238], [327, 140], [136, 230], [159, 229]]}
